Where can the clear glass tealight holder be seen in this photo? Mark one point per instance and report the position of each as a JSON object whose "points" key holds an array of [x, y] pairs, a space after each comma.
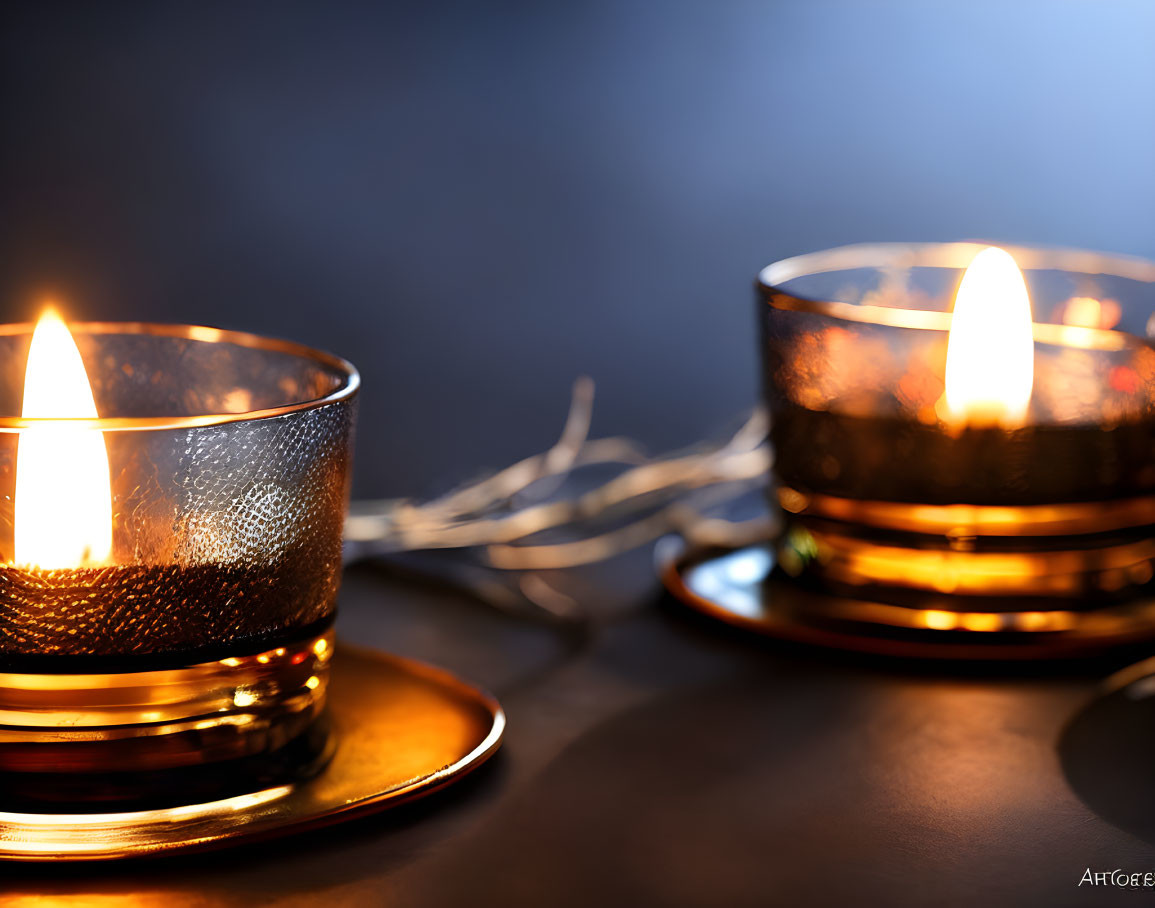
{"points": [[909, 521], [200, 646]]}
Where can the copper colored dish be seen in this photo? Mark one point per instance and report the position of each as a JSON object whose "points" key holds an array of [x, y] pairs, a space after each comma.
{"points": [[402, 730], [741, 587]]}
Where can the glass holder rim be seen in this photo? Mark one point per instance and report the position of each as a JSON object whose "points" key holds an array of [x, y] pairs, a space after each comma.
{"points": [[347, 389]]}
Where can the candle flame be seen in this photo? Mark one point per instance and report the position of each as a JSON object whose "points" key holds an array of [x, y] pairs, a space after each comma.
{"points": [[990, 355], [63, 494]]}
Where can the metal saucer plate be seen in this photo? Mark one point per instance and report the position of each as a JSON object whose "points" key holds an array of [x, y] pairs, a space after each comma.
{"points": [[740, 586], [402, 729]]}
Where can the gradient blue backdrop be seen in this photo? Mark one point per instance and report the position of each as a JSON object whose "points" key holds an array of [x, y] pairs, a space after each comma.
{"points": [[477, 202]]}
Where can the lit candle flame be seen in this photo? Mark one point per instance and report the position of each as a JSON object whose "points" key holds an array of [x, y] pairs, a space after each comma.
{"points": [[63, 498], [990, 355]]}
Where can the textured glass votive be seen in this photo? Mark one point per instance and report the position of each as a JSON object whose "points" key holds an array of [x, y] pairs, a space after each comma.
{"points": [[936, 525], [205, 636]]}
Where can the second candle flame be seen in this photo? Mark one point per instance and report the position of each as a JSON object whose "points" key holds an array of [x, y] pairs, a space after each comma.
{"points": [[63, 496], [990, 356]]}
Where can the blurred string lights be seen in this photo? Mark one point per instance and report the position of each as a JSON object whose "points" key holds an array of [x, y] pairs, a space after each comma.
{"points": [[509, 527]]}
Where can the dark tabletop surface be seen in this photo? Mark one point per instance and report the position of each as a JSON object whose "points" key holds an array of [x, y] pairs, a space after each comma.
{"points": [[658, 759], [478, 202]]}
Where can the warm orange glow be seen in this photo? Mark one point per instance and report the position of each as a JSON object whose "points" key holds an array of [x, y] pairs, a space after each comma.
{"points": [[63, 497], [990, 357]]}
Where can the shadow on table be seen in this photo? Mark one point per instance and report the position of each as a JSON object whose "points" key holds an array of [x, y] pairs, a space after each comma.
{"points": [[1108, 756]]}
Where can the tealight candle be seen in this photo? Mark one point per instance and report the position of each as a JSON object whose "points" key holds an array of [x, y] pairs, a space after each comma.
{"points": [[962, 447], [173, 498]]}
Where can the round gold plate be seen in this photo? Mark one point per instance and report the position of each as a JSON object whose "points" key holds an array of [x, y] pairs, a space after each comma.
{"points": [[402, 730], [740, 586]]}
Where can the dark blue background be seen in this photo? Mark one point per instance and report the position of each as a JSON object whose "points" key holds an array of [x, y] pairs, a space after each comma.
{"points": [[478, 202]]}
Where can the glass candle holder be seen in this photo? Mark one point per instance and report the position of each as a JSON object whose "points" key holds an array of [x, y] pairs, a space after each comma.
{"points": [[918, 523], [201, 645]]}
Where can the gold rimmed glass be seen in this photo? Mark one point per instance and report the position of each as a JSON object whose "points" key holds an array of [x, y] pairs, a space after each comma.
{"points": [[229, 457], [965, 528]]}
